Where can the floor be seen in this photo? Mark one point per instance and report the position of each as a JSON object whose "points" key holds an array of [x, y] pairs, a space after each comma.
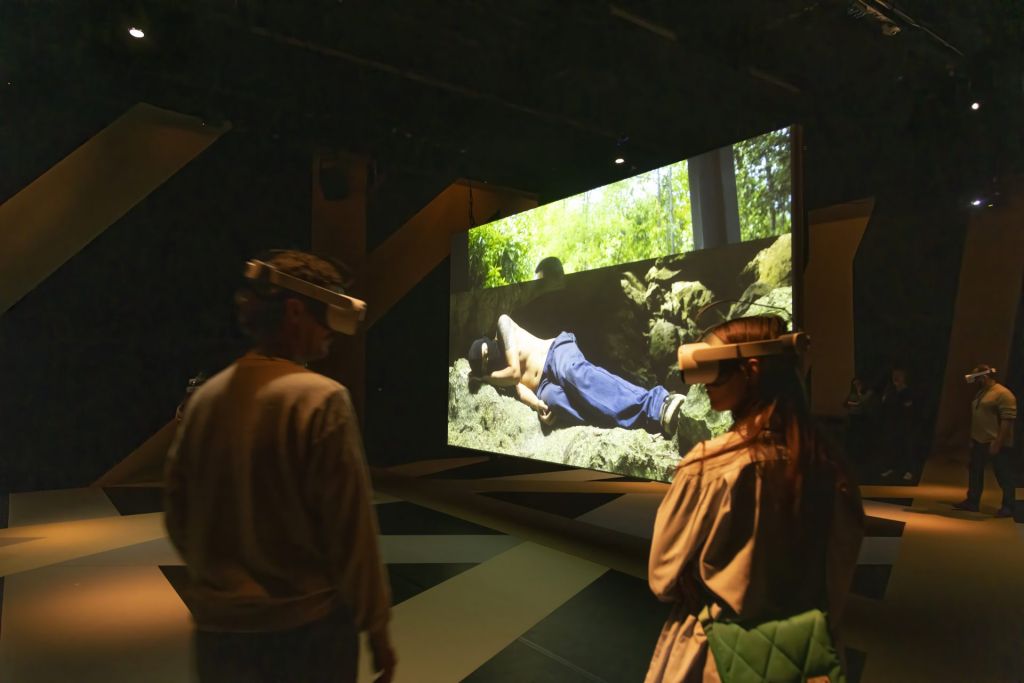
{"points": [[509, 570]]}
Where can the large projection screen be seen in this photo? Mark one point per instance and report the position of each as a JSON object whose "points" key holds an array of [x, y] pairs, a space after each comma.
{"points": [[648, 263]]}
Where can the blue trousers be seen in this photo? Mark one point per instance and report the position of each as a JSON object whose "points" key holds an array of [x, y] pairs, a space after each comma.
{"points": [[578, 392]]}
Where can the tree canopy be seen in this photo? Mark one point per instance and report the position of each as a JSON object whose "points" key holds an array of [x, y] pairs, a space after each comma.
{"points": [[634, 219]]}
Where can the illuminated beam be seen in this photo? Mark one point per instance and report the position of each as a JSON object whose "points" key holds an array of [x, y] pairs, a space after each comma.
{"points": [[67, 207], [834, 237], [987, 301], [419, 246]]}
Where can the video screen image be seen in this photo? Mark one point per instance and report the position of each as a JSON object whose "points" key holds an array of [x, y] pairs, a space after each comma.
{"points": [[590, 296]]}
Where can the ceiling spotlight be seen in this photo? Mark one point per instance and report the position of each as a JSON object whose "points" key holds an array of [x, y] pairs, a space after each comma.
{"points": [[976, 202], [975, 106], [136, 32], [620, 160]]}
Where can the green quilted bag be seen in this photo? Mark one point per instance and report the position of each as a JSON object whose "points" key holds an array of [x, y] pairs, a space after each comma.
{"points": [[797, 649]]}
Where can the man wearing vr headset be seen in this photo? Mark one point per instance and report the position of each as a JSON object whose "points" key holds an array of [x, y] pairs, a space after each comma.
{"points": [[552, 377], [993, 412], [268, 497]]}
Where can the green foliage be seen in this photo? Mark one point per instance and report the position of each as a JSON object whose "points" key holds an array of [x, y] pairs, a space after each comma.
{"points": [[499, 254], [638, 218], [634, 219], [764, 185]]}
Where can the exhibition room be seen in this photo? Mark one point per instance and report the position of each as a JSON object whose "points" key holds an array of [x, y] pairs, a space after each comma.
{"points": [[511, 342]]}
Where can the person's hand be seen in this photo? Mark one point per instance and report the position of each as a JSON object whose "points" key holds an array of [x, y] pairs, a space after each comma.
{"points": [[384, 659], [544, 413]]}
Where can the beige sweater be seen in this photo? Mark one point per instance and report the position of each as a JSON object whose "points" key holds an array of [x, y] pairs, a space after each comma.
{"points": [[991, 407], [269, 502], [722, 520]]}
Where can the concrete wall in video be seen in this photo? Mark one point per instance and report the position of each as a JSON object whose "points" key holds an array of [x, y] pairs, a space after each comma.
{"points": [[605, 356]]}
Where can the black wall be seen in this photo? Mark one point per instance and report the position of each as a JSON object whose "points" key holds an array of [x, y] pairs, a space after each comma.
{"points": [[96, 358]]}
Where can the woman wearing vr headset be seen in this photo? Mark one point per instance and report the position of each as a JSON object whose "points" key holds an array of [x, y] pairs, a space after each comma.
{"points": [[761, 523]]}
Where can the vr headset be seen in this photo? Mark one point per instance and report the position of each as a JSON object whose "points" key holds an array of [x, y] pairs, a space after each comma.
{"points": [[344, 313], [701, 363], [972, 377]]}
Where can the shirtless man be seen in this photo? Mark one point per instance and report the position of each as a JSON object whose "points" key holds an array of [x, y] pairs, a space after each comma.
{"points": [[552, 377]]}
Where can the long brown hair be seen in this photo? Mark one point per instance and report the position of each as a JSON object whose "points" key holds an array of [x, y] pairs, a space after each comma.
{"points": [[779, 396]]}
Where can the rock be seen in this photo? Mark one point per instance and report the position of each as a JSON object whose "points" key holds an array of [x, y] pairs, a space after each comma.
{"points": [[654, 298], [661, 275], [687, 298], [773, 265], [698, 408], [663, 340], [633, 288], [770, 303], [489, 421], [753, 293]]}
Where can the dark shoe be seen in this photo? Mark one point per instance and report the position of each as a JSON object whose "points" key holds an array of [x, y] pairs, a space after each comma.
{"points": [[966, 506], [1005, 511], [671, 409]]}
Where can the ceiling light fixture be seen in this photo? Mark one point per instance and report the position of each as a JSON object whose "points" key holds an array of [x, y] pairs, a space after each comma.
{"points": [[975, 106], [620, 160], [136, 32], [976, 202]]}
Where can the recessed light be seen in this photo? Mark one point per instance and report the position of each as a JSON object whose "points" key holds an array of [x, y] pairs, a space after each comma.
{"points": [[975, 106], [620, 160], [976, 202], [136, 32]]}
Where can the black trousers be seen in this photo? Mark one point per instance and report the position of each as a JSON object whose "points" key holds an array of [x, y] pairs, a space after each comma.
{"points": [[322, 651], [1002, 463]]}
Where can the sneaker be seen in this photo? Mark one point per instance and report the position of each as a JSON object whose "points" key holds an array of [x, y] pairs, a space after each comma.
{"points": [[907, 476], [1005, 511], [966, 506], [671, 409]]}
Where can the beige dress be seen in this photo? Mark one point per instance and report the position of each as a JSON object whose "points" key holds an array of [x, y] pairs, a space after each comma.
{"points": [[724, 521]]}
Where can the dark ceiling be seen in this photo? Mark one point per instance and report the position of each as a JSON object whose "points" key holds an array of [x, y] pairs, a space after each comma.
{"points": [[542, 95]]}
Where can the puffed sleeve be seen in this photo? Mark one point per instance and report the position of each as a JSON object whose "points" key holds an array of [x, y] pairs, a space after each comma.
{"points": [[680, 528]]}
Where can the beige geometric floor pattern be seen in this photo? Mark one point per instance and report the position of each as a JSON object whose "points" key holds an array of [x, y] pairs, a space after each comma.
{"points": [[84, 600]]}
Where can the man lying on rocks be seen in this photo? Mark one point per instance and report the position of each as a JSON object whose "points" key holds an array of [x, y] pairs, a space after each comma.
{"points": [[553, 378]]}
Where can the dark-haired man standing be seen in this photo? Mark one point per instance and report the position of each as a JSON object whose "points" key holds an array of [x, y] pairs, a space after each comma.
{"points": [[268, 497], [993, 412], [552, 377]]}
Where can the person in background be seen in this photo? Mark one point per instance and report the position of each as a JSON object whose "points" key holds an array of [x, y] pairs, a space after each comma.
{"points": [[858, 406], [268, 501], [759, 522], [898, 426], [549, 268], [993, 412]]}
